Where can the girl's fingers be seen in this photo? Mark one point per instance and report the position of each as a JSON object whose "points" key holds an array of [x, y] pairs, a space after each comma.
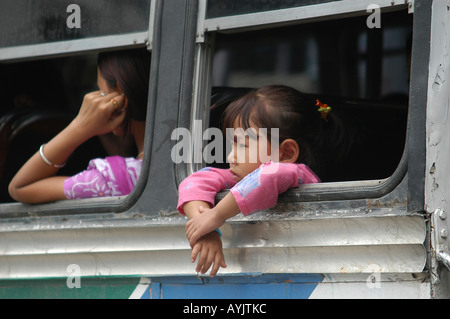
{"points": [[190, 229], [115, 102], [193, 240], [98, 114], [218, 262], [209, 261], [205, 261], [189, 234], [195, 252], [201, 263], [215, 268], [116, 121]]}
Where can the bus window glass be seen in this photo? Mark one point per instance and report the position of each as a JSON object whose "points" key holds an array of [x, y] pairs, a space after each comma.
{"points": [[45, 21]]}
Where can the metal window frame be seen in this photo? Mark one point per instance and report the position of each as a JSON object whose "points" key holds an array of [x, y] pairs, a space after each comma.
{"points": [[325, 11]]}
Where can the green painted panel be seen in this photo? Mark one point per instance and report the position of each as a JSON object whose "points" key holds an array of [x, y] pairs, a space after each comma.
{"points": [[89, 288]]}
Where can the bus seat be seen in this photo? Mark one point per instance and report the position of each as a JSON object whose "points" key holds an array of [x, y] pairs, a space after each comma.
{"points": [[6, 122]]}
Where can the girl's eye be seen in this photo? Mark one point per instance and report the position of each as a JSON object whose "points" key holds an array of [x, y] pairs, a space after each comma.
{"points": [[240, 142]]}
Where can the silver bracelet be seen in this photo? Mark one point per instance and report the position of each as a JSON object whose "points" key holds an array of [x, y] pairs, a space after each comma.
{"points": [[41, 152]]}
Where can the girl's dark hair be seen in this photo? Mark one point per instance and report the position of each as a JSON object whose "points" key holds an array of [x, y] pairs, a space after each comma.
{"points": [[130, 70], [296, 116]]}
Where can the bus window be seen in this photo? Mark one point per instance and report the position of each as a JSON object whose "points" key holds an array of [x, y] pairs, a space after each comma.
{"points": [[34, 111], [362, 73], [48, 63]]}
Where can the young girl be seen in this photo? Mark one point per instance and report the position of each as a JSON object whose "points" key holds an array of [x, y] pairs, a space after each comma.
{"points": [[255, 184], [119, 107]]}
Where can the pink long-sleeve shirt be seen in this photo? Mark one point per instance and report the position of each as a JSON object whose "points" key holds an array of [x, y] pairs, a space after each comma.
{"points": [[257, 191]]}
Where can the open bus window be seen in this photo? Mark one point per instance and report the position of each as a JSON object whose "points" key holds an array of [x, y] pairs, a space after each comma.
{"points": [[362, 73], [48, 63], [39, 99]]}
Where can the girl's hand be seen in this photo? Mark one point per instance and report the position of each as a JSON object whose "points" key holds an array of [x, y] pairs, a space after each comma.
{"points": [[210, 249], [202, 224], [99, 114]]}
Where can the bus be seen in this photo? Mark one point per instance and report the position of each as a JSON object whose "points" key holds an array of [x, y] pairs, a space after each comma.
{"points": [[377, 225]]}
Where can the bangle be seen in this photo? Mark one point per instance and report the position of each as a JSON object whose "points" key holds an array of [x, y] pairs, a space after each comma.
{"points": [[41, 152], [218, 231]]}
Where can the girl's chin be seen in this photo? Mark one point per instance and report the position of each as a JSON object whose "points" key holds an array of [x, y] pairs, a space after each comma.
{"points": [[235, 177]]}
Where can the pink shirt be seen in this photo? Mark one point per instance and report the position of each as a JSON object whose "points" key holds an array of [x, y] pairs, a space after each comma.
{"points": [[112, 176], [257, 191]]}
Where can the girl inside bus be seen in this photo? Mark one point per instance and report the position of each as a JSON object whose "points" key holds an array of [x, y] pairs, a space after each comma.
{"points": [[119, 106], [303, 131]]}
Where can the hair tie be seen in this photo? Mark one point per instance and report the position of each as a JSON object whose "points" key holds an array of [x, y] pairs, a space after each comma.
{"points": [[324, 109]]}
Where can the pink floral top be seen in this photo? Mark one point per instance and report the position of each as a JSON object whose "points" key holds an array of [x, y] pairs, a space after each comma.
{"points": [[112, 176]]}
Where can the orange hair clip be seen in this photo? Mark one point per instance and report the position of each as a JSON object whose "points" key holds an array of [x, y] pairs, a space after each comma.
{"points": [[324, 109]]}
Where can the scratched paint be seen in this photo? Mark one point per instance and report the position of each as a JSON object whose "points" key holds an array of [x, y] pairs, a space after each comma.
{"points": [[437, 184]]}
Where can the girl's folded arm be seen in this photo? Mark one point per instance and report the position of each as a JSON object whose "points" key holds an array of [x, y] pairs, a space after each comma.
{"points": [[260, 189], [203, 186]]}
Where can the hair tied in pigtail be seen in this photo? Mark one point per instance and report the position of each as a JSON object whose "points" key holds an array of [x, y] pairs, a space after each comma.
{"points": [[324, 109]]}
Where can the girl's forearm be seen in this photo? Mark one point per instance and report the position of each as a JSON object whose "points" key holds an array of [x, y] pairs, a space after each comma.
{"points": [[227, 207], [191, 209], [59, 149], [29, 180]]}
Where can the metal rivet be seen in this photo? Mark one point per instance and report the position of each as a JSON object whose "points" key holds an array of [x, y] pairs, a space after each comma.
{"points": [[444, 233], [441, 213]]}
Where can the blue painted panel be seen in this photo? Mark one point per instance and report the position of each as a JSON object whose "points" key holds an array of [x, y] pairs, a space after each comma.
{"points": [[268, 286], [154, 291]]}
